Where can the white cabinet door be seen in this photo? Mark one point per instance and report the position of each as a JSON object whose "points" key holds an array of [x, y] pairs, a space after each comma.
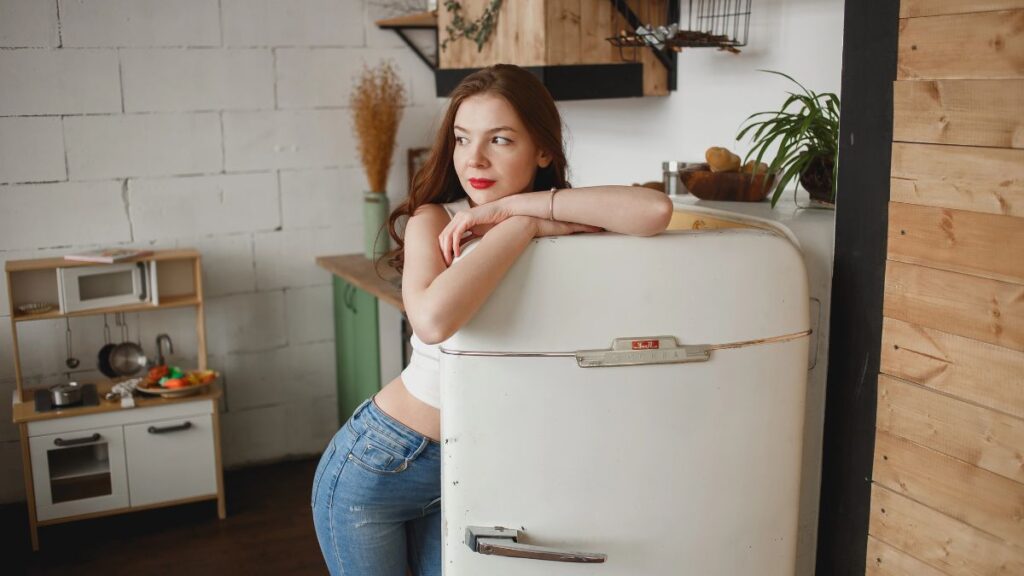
{"points": [[78, 472], [171, 459]]}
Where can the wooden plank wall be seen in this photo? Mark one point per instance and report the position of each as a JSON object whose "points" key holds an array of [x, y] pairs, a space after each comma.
{"points": [[948, 478], [556, 32]]}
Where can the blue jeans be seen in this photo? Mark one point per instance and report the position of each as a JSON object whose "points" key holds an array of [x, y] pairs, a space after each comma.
{"points": [[377, 498]]}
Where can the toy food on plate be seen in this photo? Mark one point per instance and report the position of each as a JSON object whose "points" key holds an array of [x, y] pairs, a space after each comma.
{"points": [[176, 383], [156, 373], [172, 377]]}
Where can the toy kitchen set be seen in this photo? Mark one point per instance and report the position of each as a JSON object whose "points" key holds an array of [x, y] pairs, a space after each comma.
{"points": [[148, 435]]}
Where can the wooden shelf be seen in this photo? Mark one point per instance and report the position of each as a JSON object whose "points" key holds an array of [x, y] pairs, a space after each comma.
{"points": [[165, 302], [25, 411], [59, 262], [417, 21], [384, 282], [420, 20]]}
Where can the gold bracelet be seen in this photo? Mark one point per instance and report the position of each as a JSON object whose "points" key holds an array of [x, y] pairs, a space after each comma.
{"points": [[551, 210]]}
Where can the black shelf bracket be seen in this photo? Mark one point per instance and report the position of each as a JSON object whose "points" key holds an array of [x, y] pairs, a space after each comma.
{"points": [[400, 28], [667, 57]]}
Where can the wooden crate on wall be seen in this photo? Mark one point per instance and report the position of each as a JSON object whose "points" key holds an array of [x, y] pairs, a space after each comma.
{"points": [[533, 33], [948, 475]]}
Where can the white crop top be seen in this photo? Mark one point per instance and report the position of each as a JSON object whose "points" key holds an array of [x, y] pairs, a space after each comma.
{"points": [[422, 377]]}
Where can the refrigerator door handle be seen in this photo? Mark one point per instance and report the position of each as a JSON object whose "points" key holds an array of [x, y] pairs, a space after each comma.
{"points": [[500, 541]]}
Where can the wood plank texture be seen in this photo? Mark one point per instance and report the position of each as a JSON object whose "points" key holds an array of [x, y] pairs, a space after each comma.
{"points": [[655, 73], [975, 371], [967, 242], [884, 560], [542, 33], [595, 28], [940, 541], [967, 112], [956, 196], [463, 53], [913, 8], [978, 45], [520, 35], [989, 180], [980, 498], [980, 436], [978, 308], [564, 36], [948, 471]]}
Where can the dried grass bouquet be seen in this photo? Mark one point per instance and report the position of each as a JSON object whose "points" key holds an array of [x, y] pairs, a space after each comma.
{"points": [[377, 102]]}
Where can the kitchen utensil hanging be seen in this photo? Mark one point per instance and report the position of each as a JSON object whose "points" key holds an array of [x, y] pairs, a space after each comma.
{"points": [[71, 362], [103, 358], [722, 24], [127, 358]]}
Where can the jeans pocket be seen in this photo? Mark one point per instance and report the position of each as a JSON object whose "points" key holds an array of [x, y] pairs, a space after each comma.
{"points": [[321, 468], [378, 453]]}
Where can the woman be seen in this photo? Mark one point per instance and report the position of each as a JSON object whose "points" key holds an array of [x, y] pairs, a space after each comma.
{"points": [[495, 170]]}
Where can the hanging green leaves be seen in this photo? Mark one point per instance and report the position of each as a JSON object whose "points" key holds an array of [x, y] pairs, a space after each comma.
{"points": [[479, 30]]}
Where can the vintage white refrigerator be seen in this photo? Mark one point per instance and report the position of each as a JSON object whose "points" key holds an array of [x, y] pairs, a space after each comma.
{"points": [[631, 406]]}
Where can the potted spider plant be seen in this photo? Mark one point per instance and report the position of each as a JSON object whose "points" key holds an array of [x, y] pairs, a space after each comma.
{"points": [[806, 132]]}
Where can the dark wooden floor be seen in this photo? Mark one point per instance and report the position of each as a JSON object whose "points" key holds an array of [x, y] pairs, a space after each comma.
{"points": [[269, 530]]}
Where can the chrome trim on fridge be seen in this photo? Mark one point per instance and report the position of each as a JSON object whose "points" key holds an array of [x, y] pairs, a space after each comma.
{"points": [[637, 351]]}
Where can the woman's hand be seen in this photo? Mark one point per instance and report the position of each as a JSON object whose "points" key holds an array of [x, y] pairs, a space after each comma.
{"points": [[476, 222]]}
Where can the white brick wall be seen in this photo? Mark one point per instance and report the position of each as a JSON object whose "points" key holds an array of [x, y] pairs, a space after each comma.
{"points": [[167, 80], [287, 139], [304, 312], [142, 145], [58, 82], [204, 205], [215, 124], [28, 23], [31, 150], [62, 214], [285, 259], [315, 77], [322, 198], [139, 23], [293, 22]]}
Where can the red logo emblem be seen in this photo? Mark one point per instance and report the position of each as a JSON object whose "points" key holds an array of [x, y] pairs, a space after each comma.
{"points": [[645, 344]]}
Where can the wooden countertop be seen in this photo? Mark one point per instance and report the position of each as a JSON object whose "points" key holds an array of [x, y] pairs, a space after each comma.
{"points": [[382, 281], [25, 411]]}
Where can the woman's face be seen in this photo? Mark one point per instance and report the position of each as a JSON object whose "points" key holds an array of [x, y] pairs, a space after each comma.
{"points": [[494, 154]]}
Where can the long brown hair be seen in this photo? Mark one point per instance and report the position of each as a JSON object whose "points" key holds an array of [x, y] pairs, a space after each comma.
{"points": [[437, 183]]}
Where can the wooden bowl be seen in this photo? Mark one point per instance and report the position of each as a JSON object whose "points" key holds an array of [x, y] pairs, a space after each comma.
{"points": [[730, 186]]}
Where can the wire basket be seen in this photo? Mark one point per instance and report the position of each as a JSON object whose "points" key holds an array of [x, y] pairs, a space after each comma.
{"points": [[722, 24]]}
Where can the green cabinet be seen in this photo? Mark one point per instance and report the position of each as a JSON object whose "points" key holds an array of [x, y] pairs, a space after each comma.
{"points": [[357, 346]]}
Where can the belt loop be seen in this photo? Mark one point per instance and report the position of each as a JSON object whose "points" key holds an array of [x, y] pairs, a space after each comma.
{"points": [[423, 445]]}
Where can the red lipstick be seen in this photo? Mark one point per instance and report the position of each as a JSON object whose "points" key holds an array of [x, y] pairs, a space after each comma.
{"points": [[480, 183]]}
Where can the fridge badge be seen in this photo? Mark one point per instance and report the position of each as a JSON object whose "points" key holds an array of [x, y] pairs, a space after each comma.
{"points": [[636, 351]]}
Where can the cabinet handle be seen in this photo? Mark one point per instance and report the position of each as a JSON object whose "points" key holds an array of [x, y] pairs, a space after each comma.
{"points": [[88, 439], [348, 297], [183, 426], [143, 273]]}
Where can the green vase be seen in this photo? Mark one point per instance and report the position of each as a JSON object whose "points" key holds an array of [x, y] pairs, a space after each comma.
{"points": [[375, 231]]}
